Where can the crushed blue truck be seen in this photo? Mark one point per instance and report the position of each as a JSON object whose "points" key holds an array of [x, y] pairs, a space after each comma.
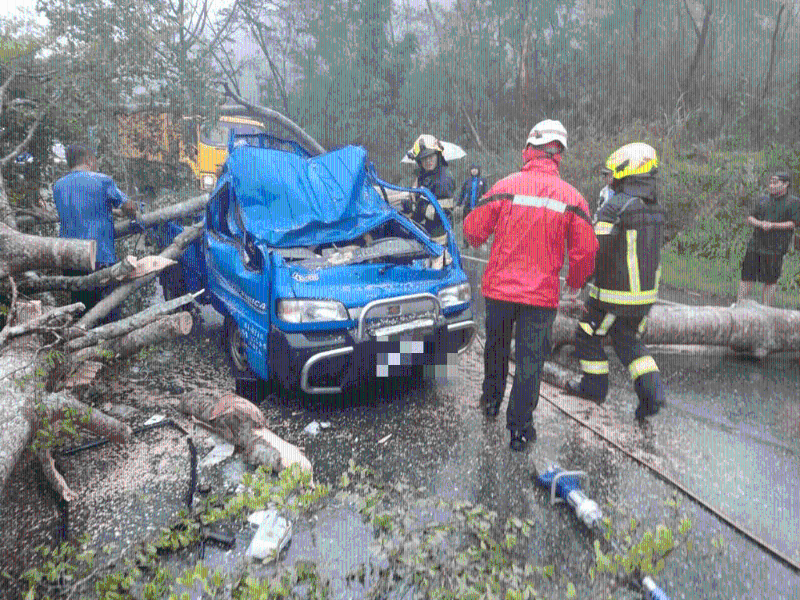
{"points": [[322, 282]]}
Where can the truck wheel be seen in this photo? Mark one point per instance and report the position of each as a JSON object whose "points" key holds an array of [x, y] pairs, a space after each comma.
{"points": [[248, 384]]}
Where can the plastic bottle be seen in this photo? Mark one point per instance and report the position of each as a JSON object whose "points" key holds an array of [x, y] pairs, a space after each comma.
{"points": [[272, 536]]}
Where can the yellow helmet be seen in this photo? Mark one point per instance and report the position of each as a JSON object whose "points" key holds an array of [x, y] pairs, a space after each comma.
{"points": [[633, 159], [425, 145]]}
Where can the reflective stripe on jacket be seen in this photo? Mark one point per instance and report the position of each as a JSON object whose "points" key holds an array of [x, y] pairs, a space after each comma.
{"points": [[629, 231], [534, 216]]}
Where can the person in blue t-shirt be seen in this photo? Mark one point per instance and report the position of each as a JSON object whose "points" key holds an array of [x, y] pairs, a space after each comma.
{"points": [[84, 199]]}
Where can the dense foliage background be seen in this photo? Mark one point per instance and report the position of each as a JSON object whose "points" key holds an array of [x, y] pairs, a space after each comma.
{"points": [[714, 86]]}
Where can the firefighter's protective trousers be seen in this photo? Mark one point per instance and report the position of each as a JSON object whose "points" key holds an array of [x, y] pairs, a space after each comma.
{"points": [[625, 332]]}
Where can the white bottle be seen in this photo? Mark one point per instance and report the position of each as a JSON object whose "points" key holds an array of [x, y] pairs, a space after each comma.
{"points": [[272, 536]]}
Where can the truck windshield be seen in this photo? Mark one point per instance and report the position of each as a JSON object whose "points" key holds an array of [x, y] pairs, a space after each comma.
{"points": [[218, 135]]}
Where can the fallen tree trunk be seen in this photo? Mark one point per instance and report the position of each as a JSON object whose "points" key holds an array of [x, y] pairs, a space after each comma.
{"points": [[116, 297], [21, 415], [267, 114], [22, 252], [162, 215], [127, 269], [161, 330], [129, 324], [747, 327], [241, 423], [97, 279]]}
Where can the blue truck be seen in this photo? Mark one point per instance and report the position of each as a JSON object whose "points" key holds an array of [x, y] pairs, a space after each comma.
{"points": [[322, 282]]}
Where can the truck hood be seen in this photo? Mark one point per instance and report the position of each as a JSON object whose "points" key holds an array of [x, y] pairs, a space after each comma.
{"points": [[356, 285], [287, 200]]}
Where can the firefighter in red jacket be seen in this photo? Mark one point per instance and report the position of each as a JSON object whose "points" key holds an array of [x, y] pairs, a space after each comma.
{"points": [[534, 215], [629, 229]]}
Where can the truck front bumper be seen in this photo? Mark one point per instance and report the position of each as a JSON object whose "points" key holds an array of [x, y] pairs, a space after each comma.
{"points": [[330, 362]]}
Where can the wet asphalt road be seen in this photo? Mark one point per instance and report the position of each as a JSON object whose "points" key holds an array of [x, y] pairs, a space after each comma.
{"points": [[729, 433]]}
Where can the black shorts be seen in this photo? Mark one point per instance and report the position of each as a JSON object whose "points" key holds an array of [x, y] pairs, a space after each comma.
{"points": [[764, 268]]}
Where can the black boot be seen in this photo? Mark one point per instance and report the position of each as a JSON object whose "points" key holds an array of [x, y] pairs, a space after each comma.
{"points": [[574, 388], [521, 437], [650, 390], [491, 407]]}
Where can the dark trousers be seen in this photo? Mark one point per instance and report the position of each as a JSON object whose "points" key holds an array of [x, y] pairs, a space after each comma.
{"points": [[534, 324], [91, 298], [597, 323]]}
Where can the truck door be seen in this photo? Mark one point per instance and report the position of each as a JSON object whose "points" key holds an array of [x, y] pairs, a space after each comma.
{"points": [[238, 277]]}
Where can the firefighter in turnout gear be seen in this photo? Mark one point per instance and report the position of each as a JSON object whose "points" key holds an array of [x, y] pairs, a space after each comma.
{"points": [[629, 229]]}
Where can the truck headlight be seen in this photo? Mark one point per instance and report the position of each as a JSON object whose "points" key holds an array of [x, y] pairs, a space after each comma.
{"points": [[311, 311], [208, 181], [455, 294]]}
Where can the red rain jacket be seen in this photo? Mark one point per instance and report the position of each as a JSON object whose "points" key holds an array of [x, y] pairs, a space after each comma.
{"points": [[534, 216]]}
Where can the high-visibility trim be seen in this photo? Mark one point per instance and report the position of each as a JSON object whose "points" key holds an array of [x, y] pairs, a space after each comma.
{"points": [[641, 366], [540, 202], [603, 228], [620, 297], [586, 327], [633, 262], [594, 367], [606, 324], [642, 326]]}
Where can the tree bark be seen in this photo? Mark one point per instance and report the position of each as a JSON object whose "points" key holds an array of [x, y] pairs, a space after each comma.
{"points": [[21, 416], [702, 36], [773, 50], [127, 325], [39, 322], [22, 252], [161, 330], [748, 327], [97, 279], [162, 215], [107, 304], [243, 424]]}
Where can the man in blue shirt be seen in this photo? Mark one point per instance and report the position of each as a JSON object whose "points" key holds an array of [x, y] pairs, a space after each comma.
{"points": [[84, 199]]}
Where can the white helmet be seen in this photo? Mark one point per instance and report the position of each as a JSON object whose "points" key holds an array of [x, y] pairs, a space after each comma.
{"points": [[547, 131]]}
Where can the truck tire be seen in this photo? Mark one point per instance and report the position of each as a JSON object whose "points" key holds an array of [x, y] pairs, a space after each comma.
{"points": [[248, 384]]}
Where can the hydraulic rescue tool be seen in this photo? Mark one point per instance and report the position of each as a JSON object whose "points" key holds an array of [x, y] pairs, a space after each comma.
{"points": [[565, 486]]}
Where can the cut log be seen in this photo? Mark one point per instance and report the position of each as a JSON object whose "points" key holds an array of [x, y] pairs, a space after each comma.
{"points": [[22, 252], [241, 423], [747, 327], [129, 324], [162, 215], [115, 298], [161, 330], [116, 272]]}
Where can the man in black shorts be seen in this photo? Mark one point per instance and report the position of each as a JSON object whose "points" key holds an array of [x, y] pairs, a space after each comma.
{"points": [[774, 217]]}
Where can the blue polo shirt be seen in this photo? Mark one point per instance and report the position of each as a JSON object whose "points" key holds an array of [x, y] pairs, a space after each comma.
{"points": [[84, 200]]}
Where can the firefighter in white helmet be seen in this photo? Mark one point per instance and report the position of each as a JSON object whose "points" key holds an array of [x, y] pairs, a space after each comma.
{"points": [[536, 218], [629, 229]]}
